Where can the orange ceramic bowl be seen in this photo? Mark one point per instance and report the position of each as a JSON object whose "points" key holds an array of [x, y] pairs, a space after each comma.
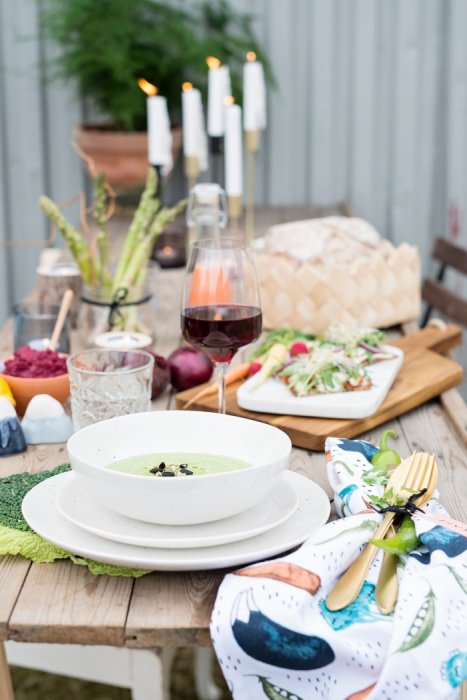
{"points": [[24, 388]]}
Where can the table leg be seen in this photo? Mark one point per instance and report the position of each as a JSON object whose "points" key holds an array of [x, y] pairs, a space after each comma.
{"points": [[6, 687], [206, 688]]}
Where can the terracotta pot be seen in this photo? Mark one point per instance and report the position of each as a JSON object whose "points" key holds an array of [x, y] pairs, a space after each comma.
{"points": [[122, 156]]}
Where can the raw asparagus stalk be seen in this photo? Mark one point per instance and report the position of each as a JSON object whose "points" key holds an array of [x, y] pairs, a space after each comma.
{"points": [[145, 213], [102, 240], [140, 257], [78, 246]]}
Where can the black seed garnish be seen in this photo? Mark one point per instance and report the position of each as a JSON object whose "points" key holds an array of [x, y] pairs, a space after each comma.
{"points": [[168, 474], [154, 470], [183, 466], [187, 471], [162, 466]]}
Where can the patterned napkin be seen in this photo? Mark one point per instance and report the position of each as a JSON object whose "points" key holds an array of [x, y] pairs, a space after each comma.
{"points": [[275, 638], [16, 537]]}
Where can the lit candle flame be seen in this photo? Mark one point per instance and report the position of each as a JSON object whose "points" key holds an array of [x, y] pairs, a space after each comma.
{"points": [[213, 62], [251, 56], [147, 87], [187, 86], [229, 100]]}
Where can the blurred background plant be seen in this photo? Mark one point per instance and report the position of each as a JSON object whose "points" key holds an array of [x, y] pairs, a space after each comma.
{"points": [[107, 45]]}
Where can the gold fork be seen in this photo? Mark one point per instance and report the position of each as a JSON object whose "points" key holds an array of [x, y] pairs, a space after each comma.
{"points": [[411, 476], [387, 587]]}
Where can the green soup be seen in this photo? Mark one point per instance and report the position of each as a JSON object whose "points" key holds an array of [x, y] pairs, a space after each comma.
{"points": [[183, 464]]}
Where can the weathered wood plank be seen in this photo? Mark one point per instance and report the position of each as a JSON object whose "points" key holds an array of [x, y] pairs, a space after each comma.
{"points": [[280, 117], [172, 609], [342, 81], [450, 254], [363, 107], [13, 571], [456, 137], [64, 603], [5, 282], [404, 170], [23, 137], [6, 686], [384, 106], [456, 409], [429, 429], [62, 112], [441, 298], [320, 101], [428, 191]]}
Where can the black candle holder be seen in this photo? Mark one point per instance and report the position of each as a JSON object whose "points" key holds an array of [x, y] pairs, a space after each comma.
{"points": [[170, 246]]}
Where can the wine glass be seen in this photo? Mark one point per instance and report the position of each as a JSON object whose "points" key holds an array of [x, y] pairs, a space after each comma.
{"points": [[221, 308]]}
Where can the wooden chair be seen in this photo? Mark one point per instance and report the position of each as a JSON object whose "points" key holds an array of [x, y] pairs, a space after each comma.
{"points": [[454, 307], [435, 293]]}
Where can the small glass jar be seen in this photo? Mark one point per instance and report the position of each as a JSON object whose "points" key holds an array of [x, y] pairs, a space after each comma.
{"points": [[130, 310], [33, 324]]}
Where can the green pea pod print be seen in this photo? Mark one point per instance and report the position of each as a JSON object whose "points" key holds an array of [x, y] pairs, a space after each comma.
{"points": [[422, 625], [461, 581], [273, 692], [343, 464], [368, 525]]}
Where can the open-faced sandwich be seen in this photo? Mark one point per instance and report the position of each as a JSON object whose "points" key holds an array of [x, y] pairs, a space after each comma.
{"points": [[332, 363]]}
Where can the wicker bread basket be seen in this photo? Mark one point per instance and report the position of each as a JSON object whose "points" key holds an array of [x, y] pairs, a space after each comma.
{"points": [[378, 289]]}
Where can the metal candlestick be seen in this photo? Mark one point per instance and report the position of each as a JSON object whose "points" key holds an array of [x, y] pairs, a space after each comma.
{"points": [[191, 170], [252, 142], [235, 210]]}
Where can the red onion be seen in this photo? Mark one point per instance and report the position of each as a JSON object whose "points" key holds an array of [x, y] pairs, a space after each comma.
{"points": [[370, 348], [188, 368], [160, 375]]}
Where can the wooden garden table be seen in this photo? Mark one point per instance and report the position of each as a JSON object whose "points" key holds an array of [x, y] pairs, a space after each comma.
{"points": [[64, 603]]}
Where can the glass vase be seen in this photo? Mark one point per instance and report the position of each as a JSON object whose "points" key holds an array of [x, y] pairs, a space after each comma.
{"points": [[131, 310]]}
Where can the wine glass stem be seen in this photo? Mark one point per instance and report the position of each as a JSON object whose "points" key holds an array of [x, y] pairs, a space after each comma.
{"points": [[221, 371]]}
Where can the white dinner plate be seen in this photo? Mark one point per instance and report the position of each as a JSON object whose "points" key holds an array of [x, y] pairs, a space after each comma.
{"points": [[274, 397], [80, 508], [41, 513]]}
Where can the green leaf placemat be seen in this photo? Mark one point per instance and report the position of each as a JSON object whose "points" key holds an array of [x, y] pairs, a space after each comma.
{"points": [[16, 537]]}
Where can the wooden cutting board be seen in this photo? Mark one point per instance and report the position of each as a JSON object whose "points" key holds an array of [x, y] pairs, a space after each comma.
{"points": [[424, 375]]}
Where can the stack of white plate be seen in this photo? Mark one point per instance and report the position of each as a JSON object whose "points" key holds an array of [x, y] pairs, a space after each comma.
{"points": [[196, 522], [62, 511]]}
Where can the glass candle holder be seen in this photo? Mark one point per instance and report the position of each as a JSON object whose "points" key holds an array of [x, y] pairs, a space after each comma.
{"points": [[53, 281], [33, 325], [170, 249], [109, 383]]}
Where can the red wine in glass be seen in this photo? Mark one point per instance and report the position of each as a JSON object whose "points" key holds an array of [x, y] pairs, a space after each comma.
{"points": [[221, 309], [220, 330]]}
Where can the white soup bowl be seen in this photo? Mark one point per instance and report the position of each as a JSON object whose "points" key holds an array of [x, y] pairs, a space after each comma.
{"points": [[182, 500]]}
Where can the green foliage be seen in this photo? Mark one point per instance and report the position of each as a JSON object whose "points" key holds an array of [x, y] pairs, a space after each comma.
{"points": [[12, 491], [106, 45]]}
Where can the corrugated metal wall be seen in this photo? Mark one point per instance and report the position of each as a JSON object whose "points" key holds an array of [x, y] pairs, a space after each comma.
{"points": [[371, 107]]}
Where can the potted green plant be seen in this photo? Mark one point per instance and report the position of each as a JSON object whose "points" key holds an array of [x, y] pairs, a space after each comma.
{"points": [[106, 46]]}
